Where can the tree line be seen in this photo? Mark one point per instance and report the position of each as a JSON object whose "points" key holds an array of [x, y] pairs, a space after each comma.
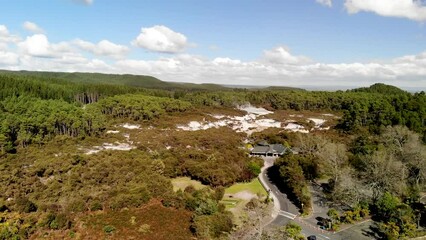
{"points": [[371, 108], [382, 175]]}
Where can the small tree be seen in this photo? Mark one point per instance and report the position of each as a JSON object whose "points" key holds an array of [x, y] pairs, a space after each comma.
{"points": [[390, 230], [349, 217], [387, 206], [219, 192], [293, 231], [334, 215]]}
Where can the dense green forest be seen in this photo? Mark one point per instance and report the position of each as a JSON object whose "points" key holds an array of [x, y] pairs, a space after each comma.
{"points": [[373, 158], [115, 79]]}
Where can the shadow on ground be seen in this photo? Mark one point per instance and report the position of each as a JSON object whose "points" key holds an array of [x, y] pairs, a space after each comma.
{"points": [[373, 232], [274, 176]]}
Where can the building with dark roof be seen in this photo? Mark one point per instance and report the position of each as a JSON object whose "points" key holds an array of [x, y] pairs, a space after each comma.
{"points": [[265, 149]]}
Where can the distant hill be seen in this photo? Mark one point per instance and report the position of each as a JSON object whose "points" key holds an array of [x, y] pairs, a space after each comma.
{"points": [[117, 79], [283, 88], [136, 81], [380, 88], [254, 87]]}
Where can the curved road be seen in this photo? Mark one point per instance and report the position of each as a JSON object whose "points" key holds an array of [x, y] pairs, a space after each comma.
{"points": [[284, 210]]}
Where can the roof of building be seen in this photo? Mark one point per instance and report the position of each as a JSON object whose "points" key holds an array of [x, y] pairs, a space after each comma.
{"points": [[260, 149], [264, 147], [263, 143], [279, 148]]}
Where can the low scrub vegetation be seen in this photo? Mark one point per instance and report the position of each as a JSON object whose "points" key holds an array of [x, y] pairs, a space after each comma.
{"points": [[371, 162]]}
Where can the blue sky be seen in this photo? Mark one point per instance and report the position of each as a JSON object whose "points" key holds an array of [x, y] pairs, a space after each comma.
{"points": [[260, 42]]}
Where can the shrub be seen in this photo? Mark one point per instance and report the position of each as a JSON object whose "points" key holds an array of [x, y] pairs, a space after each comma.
{"points": [[335, 227], [3, 206], [333, 214], [254, 168], [57, 221], [356, 213], [134, 199], [293, 231], [221, 224], [95, 206], [144, 228], [23, 204], [252, 204], [190, 189], [390, 230], [364, 212], [201, 227], [219, 192], [108, 229], [76, 205], [207, 207], [348, 217], [213, 226]]}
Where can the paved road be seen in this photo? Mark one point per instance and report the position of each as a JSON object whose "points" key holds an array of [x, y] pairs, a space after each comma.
{"points": [[284, 210]]}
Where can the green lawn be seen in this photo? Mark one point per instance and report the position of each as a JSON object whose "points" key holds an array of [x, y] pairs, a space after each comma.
{"points": [[254, 187], [230, 203], [183, 182]]}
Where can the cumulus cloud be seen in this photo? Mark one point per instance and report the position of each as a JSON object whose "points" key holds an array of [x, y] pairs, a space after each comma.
{"points": [[103, 48], [32, 27], [276, 66], [282, 55], [36, 45], [5, 36], [327, 3], [411, 9], [408, 71], [161, 39], [8, 58]]}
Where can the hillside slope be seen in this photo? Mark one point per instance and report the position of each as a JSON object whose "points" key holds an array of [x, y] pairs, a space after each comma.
{"points": [[380, 88], [117, 79]]}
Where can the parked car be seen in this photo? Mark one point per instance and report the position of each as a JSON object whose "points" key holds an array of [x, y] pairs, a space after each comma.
{"points": [[312, 237]]}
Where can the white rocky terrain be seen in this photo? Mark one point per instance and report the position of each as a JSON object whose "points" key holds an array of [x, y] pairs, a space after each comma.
{"points": [[254, 121], [119, 146]]}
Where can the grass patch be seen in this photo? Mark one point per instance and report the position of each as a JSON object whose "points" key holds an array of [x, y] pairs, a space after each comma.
{"points": [[254, 187], [237, 207], [230, 202], [182, 182]]}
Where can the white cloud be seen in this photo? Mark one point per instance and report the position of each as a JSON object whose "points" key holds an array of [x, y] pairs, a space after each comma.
{"points": [[32, 27], [408, 71], [3, 46], [5, 36], [226, 61], [327, 3], [277, 66], [103, 48], [3, 30], [38, 45], [8, 58], [161, 39], [86, 2], [282, 55], [411, 9]]}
